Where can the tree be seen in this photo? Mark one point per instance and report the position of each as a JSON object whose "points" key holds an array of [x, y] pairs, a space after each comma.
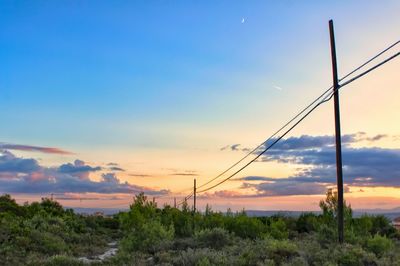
{"points": [[52, 207], [307, 222], [144, 206], [8, 204], [185, 206], [329, 206], [208, 210], [278, 229]]}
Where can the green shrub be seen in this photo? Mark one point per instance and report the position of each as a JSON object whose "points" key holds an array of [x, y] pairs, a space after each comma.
{"points": [[9, 205], [246, 227], [392, 257], [326, 234], [61, 260], [212, 219], [378, 245], [363, 225], [312, 251], [215, 238], [151, 236], [45, 229], [281, 250], [127, 258], [184, 243], [350, 255], [306, 223], [278, 229], [203, 262], [202, 256], [296, 261]]}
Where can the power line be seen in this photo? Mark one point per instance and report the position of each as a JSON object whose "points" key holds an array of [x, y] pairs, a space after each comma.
{"points": [[266, 149], [301, 112], [325, 99], [185, 199], [276, 132], [370, 60], [173, 193], [370, 69], [292, 119], [295, 117], [300, 120]]}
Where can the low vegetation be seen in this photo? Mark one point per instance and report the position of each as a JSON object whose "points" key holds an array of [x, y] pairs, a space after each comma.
{"points": [[46, 234], [39, 233]]}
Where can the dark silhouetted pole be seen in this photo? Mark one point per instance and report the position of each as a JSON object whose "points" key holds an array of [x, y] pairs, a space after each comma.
{"points": [[194, 195], [194, 204], [339, 170], [174, 202]]}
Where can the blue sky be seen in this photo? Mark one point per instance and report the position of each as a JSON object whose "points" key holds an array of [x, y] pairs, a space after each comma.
{"points": [[133, 77], [91, 63]]}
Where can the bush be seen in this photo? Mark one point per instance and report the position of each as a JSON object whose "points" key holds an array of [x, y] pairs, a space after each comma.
{"points": [[46, 229], [278, 229], [150, 237], [9, 205], [281, 250], [127, 258], [184, 243], [215, 238], [61, 260], [52, 244], [296, 261], [201, 257], [363, 225], [381, 225], [246, 227], [350, 255], [378, 245], [327, 234], [312, 251], [306, 223]]}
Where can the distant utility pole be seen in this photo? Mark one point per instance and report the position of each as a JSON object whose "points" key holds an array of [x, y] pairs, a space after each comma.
{"points": [[194, 195], [174, 202], [194, 204], [339, 167]]}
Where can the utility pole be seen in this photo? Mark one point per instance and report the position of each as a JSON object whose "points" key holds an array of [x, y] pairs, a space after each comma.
{"points": [[174, 202], [339, 167], [194, 196], [194, 204]]}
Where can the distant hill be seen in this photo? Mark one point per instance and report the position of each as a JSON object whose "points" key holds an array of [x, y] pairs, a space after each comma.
{"points": [[106, 211], [258, 213], [394, 210], [389, 213]]}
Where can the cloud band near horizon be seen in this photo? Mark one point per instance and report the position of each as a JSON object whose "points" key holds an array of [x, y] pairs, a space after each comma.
{"points": [[21, 175], [315, 157]]}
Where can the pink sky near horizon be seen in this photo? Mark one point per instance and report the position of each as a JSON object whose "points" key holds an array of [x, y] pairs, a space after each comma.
{"points": [[287, 203]]}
